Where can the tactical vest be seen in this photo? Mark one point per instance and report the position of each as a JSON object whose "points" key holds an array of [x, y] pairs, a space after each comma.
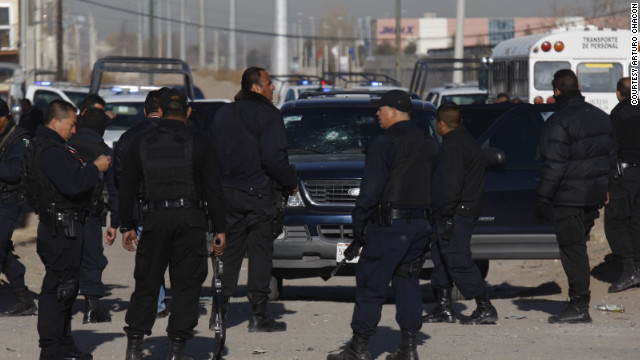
{"points": [[409, 182], [89, 152], [14, 134], [167, 164], [40, 191]]}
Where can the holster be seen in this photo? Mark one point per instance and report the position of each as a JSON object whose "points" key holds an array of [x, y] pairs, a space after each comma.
{"points": [[67, 221], [382, 215]]}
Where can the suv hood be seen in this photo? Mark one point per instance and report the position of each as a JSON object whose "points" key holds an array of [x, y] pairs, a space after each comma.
{"points": [[328, 166]]}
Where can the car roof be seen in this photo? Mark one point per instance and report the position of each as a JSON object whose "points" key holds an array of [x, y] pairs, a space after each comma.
{"points": [[347, 102], [458, 90]]}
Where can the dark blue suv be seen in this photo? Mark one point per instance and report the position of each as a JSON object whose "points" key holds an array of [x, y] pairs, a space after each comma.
{"points": [[327, 139]]}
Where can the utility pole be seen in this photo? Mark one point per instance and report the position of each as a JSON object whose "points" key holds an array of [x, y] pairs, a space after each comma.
{"points": [[183, 39], [398, 42], [169, 36], [152, 36], [202, 48], [231, 63], [458, 49], [140, 21], [60, 45], [280, 53]]}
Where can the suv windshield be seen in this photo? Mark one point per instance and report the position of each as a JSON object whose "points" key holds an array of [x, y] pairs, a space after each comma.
{"points": [[336, 130], [127, 114]]}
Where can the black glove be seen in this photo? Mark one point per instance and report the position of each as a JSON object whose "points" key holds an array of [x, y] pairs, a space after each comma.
{"points": [[447, 229], [66, 290], [542, 211], [352, 250]]}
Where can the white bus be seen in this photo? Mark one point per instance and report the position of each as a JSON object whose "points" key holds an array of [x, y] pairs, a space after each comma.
{"points": [[523, 67]]}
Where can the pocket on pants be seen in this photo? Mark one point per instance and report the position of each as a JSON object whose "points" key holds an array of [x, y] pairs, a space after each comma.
{"points": [[619, 206], [142, 264]]}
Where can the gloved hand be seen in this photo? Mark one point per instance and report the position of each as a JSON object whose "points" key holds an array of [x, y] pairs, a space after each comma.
{"points": [[353, 250], [447, 229], [542, 211], [66, 290]]}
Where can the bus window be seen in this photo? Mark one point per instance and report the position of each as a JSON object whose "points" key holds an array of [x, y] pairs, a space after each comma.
{"points": [[543, 73], [599, 77]]}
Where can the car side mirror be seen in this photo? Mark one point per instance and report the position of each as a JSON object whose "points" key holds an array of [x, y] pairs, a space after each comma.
{"points": [[494, 158]]}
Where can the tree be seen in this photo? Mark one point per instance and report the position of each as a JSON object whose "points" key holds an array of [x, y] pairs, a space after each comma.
{"points": [[601, 13], [385, 48], [410, 48]]}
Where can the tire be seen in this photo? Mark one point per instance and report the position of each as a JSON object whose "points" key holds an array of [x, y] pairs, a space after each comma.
{"points": [[275, 285], [483, 266]]}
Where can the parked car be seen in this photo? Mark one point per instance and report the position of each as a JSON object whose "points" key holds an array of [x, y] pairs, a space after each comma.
{"points": [[461, 94], [327, 140]]}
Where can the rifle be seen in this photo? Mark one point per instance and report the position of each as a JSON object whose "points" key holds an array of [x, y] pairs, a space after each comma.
{"points": [[350, 253], [217, 324]]}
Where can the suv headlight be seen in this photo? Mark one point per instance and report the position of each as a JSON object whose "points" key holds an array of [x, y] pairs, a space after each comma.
{"points": [[295, 200]]}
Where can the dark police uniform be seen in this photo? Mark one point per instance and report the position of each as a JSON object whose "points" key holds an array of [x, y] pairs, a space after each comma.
{"points": [[13, 143], [464, 167], [251, 144], [65, 185], [179, 170], [622, 214], [396, 186], [89, 144], [578, 151]]}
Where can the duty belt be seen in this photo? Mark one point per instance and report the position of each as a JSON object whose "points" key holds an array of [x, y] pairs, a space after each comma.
{"points": [[629, 165], [179, 203], [411, 214]]}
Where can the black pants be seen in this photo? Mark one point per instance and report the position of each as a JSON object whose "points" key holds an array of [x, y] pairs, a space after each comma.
{"points": [[9, 264], [386, 249], [573, 225], [93, 260], [622, 216], [61, 257], [173, 238], [452, 261], [248, 231]]}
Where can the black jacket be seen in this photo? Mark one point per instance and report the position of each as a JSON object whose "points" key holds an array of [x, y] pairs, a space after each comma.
{"points": [[124, 142], [464, 166], [578, 150], [253, 155], [626, 126], [206, 176]]}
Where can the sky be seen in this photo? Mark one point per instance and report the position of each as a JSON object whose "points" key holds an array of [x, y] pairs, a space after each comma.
{"points": [[258, 14]]}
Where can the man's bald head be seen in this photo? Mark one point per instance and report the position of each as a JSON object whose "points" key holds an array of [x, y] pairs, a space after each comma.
{"points": [[623, 88]]}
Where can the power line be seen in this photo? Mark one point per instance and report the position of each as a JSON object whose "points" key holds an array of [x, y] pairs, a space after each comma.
{"points": [[317, 38]]}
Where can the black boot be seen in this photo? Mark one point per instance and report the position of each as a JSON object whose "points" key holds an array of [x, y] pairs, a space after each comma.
{"points": [[260, 321], [357, 349], [134, 347], [443, 312], [24, 304], [577, 311], [176, 350], [407, 350], [485, 313], [630, 277], [92, 312]]}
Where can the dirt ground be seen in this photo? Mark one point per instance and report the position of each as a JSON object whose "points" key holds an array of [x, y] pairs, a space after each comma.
{"points": [[318, 313]]}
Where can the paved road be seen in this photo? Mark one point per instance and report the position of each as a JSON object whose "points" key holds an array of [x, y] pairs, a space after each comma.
{"points": [[318, 315]]}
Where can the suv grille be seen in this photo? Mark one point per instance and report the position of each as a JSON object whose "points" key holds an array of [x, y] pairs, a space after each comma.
{"points": [[331, 192], [336, 232]]}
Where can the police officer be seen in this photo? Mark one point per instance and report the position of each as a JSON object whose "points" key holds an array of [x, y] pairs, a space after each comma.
{"points": [[88, 142], [57, 184], [152, 117], [13, 142], [178, 169], [30, 116], [251, 144], [391, 219], [578, 152], [463, 169], [622, 214]]}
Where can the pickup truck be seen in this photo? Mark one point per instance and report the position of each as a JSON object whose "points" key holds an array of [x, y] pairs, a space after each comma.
{"points": [[327, 139]]}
